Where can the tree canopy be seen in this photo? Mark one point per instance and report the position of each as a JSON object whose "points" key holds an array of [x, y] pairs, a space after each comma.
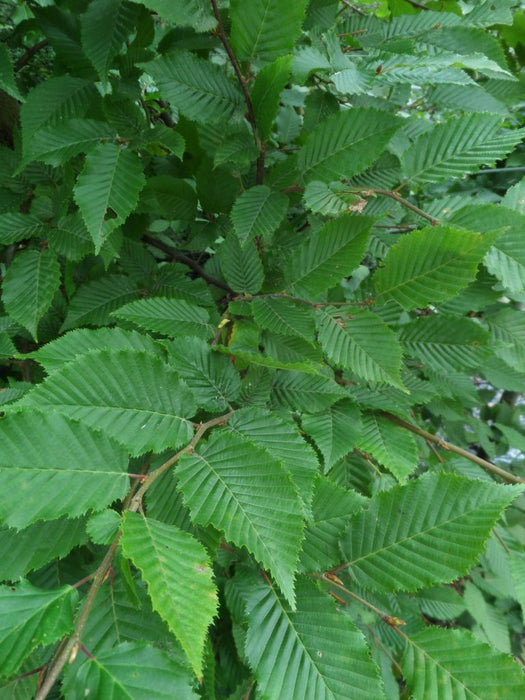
{"points": [[261, 349]]}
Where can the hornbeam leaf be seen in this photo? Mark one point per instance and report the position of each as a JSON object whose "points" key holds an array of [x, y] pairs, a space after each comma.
{"points": [[394, 448], [58, 143], [36, 545], [94, 301], [130, 395], [236, 486], [177, 570], [282, 440], [15, 226], [431, 265], [31, 617], [264, 30], [258, 212], [359, 341], [107, 189], [444, 663], [83, 340], [185, 13], [267, 87], [312, 653], [29, 287], [328, 255], [446, 343], [303, 392], [212, 378], [508, 327], [284, 317], [198, 88], [58, 466], [428, 531], [335, 431], [104, 27], [55, 100], [130, 671], [175, 318], [241, 265], [458, 146], [506, 259], [345, 144], [332, 509]]}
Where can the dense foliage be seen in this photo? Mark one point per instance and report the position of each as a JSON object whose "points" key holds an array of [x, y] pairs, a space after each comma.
{"points": [[262, 343]]}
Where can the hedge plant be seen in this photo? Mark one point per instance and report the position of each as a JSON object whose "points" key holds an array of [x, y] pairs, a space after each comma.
{"points": [[262, 345]]}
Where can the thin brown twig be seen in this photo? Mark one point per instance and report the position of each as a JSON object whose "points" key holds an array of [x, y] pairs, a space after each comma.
{"points": [[69, 647], [186, 260], [28, 54], [261, 147], [397, 198], [332, 580], [488, 466]]}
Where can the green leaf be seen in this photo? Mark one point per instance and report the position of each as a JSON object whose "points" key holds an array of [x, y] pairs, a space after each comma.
{"points": [[212, 379], [431, 265], [29, 287], [107, 189], [506, 259], [60, 466], [282, 440], [199, 89], [266, 91], [456, 147], [175, 318], [103, 527], [332, 509], [257, 213], [15, 226], [284, 317], [7, 75], [169, 197], [177, 570], [58, 143], [105, 26], [345, 144], [394, 448], [446, 343], [241, 266], [29, 549], [129, 671], [428, 531], [238, 488], [7, 347], [335, 431], [128, 394], [312, 653], [444, 663], [94, 301], [185, 13], [330, 199], [357, 340], [53, 101], [304, 392], [508, 327], [65, 349], [265, 30], [31, 617], [328, 255]]}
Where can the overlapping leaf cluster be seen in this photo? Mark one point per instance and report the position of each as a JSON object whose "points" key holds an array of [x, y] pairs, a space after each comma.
{"points": [[258, 259]]}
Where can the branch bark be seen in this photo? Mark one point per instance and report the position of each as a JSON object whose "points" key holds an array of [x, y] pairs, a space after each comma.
{"points": [[488, 466]]}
